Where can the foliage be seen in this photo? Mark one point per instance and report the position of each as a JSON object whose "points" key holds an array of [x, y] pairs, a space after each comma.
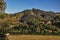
{"points": [[2, 15], [26, 23]]}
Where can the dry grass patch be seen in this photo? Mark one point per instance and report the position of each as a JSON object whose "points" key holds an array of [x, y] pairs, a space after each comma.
{"points": [[33, 37]]}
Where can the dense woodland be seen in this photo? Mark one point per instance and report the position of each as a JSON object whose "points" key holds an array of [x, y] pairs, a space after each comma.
{"points": [[32, 22]]}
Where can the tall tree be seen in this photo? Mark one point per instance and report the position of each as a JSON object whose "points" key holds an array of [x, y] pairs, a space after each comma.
{"points": [[2, 6]]}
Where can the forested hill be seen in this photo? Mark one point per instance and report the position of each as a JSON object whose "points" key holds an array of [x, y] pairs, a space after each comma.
{"points": [[39, 14], [31, 18]]}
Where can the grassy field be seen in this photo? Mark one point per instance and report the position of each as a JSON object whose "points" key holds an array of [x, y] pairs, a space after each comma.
{"points": [[33, 37]]}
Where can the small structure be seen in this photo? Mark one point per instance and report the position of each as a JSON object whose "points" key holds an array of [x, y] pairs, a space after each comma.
{"points": [[45, 21], [49, 22], [7, 36]]}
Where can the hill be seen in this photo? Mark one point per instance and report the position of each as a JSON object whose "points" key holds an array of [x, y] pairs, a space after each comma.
{"points": [[32, 21]]}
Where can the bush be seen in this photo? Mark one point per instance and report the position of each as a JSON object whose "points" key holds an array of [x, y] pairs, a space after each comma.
{"points": [[2, 15]]}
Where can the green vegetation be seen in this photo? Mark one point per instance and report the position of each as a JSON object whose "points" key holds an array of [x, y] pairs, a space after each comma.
{"points": [[2, 6], [29, 22], [33, 22], [2, 15]]}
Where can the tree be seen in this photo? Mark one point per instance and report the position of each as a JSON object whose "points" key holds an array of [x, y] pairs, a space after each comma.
{"points": [[6, 26], [2, 6], [2, 34], [2, 15], [57, 18], [43, 29]]}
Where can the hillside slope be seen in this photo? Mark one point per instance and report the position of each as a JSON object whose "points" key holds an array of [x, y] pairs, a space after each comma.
{"points": [[32, 21]]}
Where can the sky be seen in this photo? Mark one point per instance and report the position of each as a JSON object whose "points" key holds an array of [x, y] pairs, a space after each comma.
{"points": [[14, 6]]}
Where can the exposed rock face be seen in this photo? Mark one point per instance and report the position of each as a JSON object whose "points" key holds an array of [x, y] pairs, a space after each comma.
{"points": [[2, 6]]}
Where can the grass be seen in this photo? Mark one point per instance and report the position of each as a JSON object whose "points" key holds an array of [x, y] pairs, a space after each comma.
{"points": [[33, 37]]}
